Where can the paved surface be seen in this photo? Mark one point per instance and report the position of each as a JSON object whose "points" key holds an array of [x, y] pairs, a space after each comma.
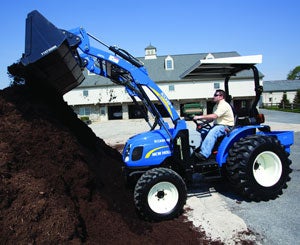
{"points": [[221, 213], [277, 221]]}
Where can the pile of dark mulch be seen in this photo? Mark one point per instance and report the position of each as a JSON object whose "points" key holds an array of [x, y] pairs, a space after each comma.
{"points": [[60, 184]]}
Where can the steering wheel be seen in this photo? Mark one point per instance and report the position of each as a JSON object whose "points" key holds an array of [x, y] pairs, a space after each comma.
{"points": [[202, 124]]}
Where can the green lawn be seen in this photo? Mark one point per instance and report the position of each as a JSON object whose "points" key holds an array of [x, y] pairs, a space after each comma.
{"points": [[275, 108]]}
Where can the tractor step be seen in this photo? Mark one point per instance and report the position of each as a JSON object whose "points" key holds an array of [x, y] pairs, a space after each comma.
{"points": [[208, 168], [207, 163]]}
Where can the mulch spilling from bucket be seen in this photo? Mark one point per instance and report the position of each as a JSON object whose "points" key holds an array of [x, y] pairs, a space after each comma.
{"points": [[59, 183]]}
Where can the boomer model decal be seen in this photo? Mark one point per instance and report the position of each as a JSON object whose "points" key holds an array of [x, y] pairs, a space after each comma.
{"points": [[164, 100]]}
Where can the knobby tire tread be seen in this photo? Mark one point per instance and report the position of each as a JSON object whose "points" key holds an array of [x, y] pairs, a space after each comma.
{"points": [[237, 167], [145, 183]]}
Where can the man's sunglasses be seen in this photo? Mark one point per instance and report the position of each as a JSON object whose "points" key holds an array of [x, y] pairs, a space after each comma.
{"points": [[215, 95]]}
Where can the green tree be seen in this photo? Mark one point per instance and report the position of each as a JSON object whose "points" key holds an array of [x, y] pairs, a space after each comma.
{"points": [[284, 101], [297, 97], [294, 74]]}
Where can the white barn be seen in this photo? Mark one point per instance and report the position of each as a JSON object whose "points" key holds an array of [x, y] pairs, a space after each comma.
{"points": [[100, 99], [274, 90]]}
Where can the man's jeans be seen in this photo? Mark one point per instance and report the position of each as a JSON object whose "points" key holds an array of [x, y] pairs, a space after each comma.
{"points": [[211, 138]]}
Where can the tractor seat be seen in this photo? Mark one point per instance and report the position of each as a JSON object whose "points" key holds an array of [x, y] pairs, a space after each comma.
{"points": [[243, 118]]}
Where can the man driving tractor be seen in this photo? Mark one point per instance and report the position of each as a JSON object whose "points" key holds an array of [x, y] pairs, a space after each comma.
{"points": [[223, 121]]}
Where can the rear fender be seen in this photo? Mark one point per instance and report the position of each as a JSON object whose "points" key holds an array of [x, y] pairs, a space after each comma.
{"points": [[232, 137]]}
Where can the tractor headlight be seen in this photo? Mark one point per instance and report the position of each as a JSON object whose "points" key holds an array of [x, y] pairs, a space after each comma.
{"points": [[127, 152]]}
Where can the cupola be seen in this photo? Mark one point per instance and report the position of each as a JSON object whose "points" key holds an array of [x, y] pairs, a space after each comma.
{"points": [[150, 52]]}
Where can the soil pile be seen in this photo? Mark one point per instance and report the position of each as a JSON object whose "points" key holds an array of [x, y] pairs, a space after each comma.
{"points": [[59, 183]]}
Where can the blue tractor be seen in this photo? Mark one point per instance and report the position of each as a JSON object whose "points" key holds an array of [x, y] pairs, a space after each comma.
{"points": [[160, 163]]}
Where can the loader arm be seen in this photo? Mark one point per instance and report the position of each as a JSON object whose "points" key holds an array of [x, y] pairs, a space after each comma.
{"points": [[57, 57], [129, 73]]}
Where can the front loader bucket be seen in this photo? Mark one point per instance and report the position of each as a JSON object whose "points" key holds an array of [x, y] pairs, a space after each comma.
{"points": [[50, 58]]}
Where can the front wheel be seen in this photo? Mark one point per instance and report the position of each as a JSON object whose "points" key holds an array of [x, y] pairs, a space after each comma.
{"points": [[160, 194], [258, 167]]}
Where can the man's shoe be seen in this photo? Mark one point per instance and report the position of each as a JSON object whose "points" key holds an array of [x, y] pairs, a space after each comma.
{"points": [[199, 156]]}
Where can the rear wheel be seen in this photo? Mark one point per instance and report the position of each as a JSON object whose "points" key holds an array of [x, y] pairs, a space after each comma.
{"points": [[258, 167], [160, 194]]}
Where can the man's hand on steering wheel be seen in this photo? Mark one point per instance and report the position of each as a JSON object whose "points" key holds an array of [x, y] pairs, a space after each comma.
{"points": [[202, 123]]}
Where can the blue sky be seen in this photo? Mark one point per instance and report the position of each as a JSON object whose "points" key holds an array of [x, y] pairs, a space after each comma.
{"points": [[270, 28]]}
